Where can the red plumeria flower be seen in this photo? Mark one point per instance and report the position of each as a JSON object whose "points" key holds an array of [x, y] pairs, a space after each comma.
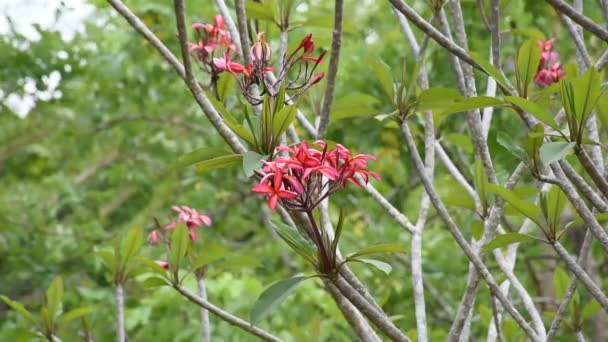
{"points": [[275, 190]]}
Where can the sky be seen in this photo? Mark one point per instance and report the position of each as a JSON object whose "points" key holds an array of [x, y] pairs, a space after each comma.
{"points": [[23, 15]]}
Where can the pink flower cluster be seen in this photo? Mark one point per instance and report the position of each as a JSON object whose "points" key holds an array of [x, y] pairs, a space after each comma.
{"points": [[211, 38], [306, 176], [549, 69], [187, 215]]}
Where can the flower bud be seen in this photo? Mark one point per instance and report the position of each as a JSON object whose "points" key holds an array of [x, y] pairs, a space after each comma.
{"points": [[154, 237], [260, 51]]}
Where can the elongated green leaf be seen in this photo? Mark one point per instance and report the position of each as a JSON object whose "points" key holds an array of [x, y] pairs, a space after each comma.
{"points": [[381, 265], [490, 70], [282, 119], [252, 161], [210, 252], [295, 241], [180, 241], [586, 94], [354, 105], [477, 229], [437, 98], [219, 162], [480, 180], [76, 313], [260, 11], [556, 202], [224, 85], [602, 110], [54, 295], [19, 308], [461, 200], [151, 266], [528, 58], [561, 281], [378, 249], [131, 245], [601, 217], [506, 141], [553, 151], [199, 155], [108, 258], [272, 297], [242, 131], [534, 140], [384, 76], [590, 309], [504, 240], [153, 282], [461, 140], [534, 109], [529, 209], [338, 233], [529, 33], [472, 103]]}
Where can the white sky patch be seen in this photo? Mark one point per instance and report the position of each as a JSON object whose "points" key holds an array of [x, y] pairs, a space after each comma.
{"points": [[64, 16]]}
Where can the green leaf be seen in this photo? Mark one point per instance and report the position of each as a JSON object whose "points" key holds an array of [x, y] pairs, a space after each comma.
{"points": [[338, 233], [472, 103], [54, 295], [530, 33], [590, 309], [19, 308], [151, 265], [153, 282], [586, 94], [437, 98], [477, 230], [295, 241], [490, 70], [200, 155], [459, 200], [108, 258], [252, 161], [272, 297], [461, 140], [602, 110], [383, 74], [219, 162], [260, 11], [556, 202], [534, 140], [224, 85], [504, 240], [561, 281], [378, 249], [381, 265], [211, 252], [76, 313], [131, 246], [180, 242], [480, 181], [282, 119], [528, 58], [600, 217], [534, 109], [553, 151], [529, 209], [507, 141], [353, 105], [242, 131], [485, 314]]}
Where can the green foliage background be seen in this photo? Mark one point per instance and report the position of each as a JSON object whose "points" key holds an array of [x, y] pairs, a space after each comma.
{"points": [[81, 169]]}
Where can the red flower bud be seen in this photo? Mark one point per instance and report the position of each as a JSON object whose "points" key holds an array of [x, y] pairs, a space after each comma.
{"points": [[260, 51]]}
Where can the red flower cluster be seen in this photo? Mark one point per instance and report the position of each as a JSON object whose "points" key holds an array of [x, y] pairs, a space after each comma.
{"points": [[307, 175], [255, 72], [211, 38], [549, 69], [189, 216]]}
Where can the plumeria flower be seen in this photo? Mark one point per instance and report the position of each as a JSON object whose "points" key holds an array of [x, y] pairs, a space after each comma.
{"points": [[274, 189], [154, 237], [191, 218]]}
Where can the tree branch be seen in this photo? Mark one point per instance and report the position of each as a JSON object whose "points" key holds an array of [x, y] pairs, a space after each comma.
{"points": [[562, 7]]}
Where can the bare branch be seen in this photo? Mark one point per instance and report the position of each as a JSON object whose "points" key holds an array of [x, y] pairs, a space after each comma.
{"points": [[205, 325], [332, 70], [585, 22], [119, 297], [241, 19]]}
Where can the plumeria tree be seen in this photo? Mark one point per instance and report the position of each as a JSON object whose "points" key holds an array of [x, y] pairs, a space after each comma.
{"points": [[513, 170]]}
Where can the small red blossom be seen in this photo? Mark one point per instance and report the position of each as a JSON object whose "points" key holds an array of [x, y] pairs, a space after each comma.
{"points": [[162, 264], [212, 38], [307, 175], [154, 237]]}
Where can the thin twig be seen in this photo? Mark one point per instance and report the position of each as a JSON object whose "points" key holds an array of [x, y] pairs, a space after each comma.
{"points": [[241, 20], [229, 318], [205, 325], [119, 296]]}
